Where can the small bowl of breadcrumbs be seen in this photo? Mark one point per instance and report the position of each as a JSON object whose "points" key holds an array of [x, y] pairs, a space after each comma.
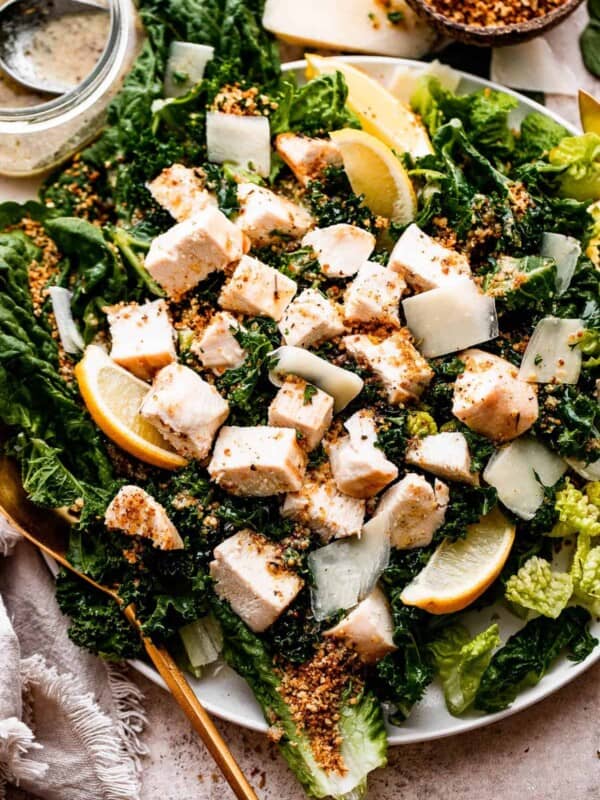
{"points": [[493, 22]]}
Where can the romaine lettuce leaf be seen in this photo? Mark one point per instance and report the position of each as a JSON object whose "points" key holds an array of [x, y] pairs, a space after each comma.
{"points": [[364, 739], [580, 158], [461, 661], [535, 586]]}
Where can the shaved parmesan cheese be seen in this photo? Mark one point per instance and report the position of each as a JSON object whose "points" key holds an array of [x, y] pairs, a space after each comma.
{"points": [[69, 335], [341, 384], [346, 571], [245, 141], [519, 473], [361, 25], [450, 318], [551, 356], [565, 250], [185, 67], [405, 80], [532, 66], [589, 472]]}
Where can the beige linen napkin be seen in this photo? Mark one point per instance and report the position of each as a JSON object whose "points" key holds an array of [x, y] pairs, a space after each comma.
{"points": [[69, 723]]}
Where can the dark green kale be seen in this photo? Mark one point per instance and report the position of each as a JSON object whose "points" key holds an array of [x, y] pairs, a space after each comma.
{"points": [[569, 421], [393, 436], [315, 108], [332, 201], [437, 398], [296, 634], [526, 656], [527, 283], [465, 507], [97, 623], [538, 135], [247, 387]]}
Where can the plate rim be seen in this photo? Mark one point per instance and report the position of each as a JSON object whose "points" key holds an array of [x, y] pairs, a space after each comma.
{"points": [[547, 686]]}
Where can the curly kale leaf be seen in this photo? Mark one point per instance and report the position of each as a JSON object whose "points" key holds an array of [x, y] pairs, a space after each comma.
{"points": [[315, 108], [569, 421], [522, 283], [465, 508], [97, 623], [527, 656]]}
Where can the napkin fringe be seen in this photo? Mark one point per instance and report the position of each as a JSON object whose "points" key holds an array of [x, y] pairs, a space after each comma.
{"points": [[16, 742], [131, 719], [94, 728]]}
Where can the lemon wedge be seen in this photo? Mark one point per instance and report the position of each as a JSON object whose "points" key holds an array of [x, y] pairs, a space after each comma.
{"points": [[375, 172], [589, 111], [458, 572], [379, 112], [113, 397]]}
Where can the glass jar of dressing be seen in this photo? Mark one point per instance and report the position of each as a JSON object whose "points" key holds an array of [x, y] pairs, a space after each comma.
{"points": [[93, 51]]}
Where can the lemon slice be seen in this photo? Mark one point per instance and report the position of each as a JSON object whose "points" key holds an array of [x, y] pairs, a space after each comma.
{"points": [[458, 572], [113, 397], [379, 112], [589, 111], [375, 172]]}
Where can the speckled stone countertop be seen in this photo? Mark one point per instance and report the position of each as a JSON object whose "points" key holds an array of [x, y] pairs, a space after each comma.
{"points": [[549, 752]]}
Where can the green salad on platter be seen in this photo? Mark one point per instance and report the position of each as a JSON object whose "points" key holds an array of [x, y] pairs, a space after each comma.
{"points": [[314, 374]]}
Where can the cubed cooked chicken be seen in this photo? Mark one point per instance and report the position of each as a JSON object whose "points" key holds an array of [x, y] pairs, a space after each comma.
{"points": [[302, 406], [249, 573], [359, 468], [257, 289], [265, 216], [310, 319], [444, 454], [403, 371], [185, 409], [325, 510], [142, 337], [257, 461], [340, 249], [180, 190], [136, 513], [307, 157], [374, 296], [368, 628], [217, 348], [412, 511], [491, 399], [424, 263], [190, 251]]}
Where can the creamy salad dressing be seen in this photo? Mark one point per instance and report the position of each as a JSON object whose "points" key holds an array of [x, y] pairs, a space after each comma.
{"points": [[61, 51]]}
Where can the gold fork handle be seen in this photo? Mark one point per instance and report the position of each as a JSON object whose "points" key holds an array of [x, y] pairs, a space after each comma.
{"points": [[197, 715]]}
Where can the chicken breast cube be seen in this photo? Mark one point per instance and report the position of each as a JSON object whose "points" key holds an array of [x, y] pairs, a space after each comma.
{"points": [[368, 628], [217, 348], [325, 510], [490, 398], [134, 512], [310, 319], [412, 511], [180, 190], [142, 337], [302, 406], [403, 371], [257, 461], [424, 263], [256, 289], [248, 572], [359, 468], [265, 216], [306, 157], [190, 251], [445, 454], [340, 249], [185, 409], [374, 295]]}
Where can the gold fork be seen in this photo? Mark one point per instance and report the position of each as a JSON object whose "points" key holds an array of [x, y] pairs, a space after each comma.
{"points": [[51, 536]]}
